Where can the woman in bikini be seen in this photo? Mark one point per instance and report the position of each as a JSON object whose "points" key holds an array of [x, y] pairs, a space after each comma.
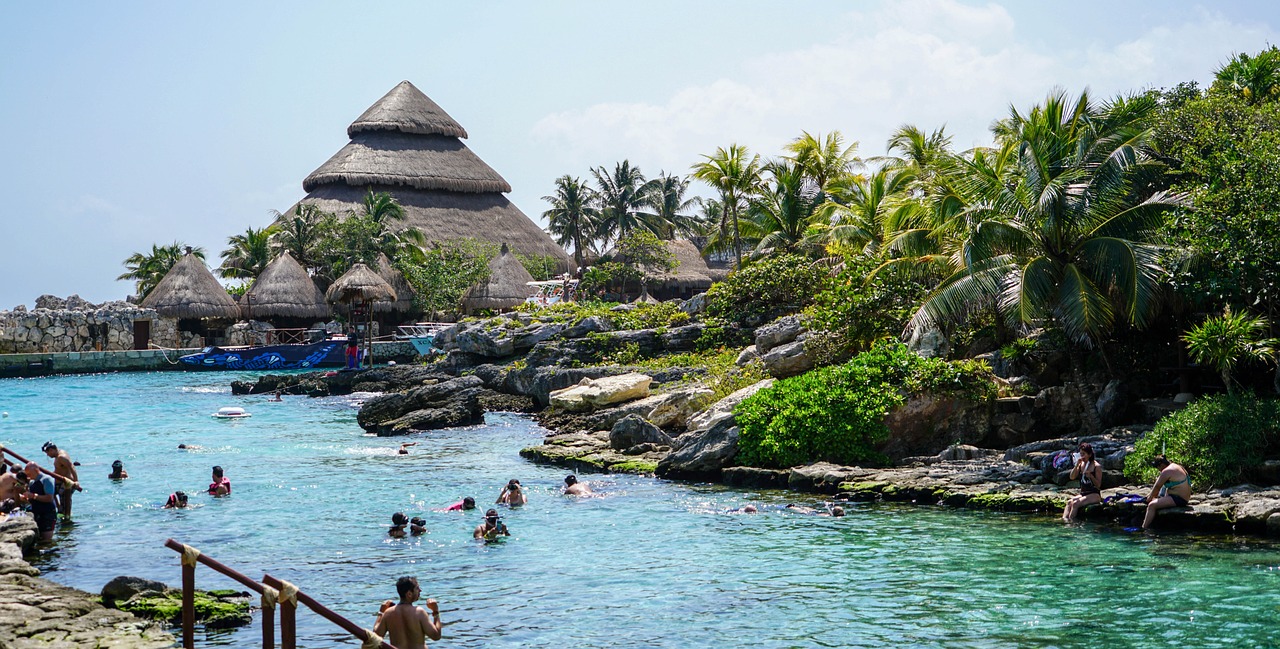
{"points": [[1089, 473], [1172, 488]]}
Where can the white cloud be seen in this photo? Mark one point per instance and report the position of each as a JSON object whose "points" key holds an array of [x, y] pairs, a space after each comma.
{"points": [[925, 62]]}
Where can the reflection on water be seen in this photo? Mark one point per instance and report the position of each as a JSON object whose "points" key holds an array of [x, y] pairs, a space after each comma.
{"points": [[648, 564]]}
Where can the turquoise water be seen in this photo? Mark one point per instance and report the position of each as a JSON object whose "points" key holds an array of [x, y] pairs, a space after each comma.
{"points": [[649, 564]]}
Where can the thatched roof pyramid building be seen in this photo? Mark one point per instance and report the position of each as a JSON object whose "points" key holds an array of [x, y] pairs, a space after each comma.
{"points": [[407, 146], [507, 286]]}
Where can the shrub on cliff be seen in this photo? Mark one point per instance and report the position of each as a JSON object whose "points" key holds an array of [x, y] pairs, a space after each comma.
{"points": [[1219, 439], [836, 413], [854, 311], [766, 289]]}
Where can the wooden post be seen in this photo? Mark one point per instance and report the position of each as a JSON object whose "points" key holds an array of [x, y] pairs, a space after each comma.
{"points": [[188, 606], [268, 628], [288, 625]]}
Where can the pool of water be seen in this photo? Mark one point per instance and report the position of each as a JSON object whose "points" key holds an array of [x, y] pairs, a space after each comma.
{"points": [[649, 563]]}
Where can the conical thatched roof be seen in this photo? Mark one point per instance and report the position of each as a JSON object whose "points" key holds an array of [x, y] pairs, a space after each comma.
{"points": [[285, 290], [692, 272], [407, 146], [404, 292], [407, 110], [189, 290], [360, 283], [507, 286]]}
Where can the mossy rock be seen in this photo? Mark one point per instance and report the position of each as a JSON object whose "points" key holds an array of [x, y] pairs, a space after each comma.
{"points": [[218, 609], [642, 467]]}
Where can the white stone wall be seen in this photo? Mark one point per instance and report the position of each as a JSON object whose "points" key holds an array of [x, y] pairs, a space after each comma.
{"points": [[71, 330]]}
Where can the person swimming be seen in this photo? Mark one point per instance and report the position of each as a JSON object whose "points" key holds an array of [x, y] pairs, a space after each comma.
{"points": [[398, 521], [572, 487], [177, 500], [491, 528], [417, 526], [117, 471], [464, 504]]}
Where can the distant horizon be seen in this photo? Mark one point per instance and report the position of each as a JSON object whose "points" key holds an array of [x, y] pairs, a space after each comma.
{"points": [[146, 123]]}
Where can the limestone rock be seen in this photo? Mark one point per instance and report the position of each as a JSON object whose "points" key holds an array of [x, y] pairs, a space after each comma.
{"points": [[124, 588], [604, 391], [448, 403], [633, 430], [682, 339], [723, 409], [780, 332], [929, 343], [695, 305], [483, 341], [702, 453], [589, 324], [674, 408], [746, 356], [531, 335], [786, 360], [539, 382], [51, 302]]}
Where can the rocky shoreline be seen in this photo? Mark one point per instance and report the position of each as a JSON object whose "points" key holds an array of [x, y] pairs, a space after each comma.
{"points": [[35, 612]]}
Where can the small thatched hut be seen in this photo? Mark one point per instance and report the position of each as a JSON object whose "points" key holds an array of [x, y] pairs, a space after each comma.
{"points": [[403, 304], [691, 275], [360, 284], [407, 146], [506, 287], [284, 291], [190, 293]]}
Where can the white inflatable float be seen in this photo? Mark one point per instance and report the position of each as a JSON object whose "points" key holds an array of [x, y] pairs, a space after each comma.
{"points": [[231, 412]]}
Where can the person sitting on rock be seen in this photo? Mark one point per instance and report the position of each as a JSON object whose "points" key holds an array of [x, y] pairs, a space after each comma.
{"points": [[1172, 489], [398, 521], [117, 471], [512, 495], [1089, 473], [491, 528], [574, 488], [177, 500]]}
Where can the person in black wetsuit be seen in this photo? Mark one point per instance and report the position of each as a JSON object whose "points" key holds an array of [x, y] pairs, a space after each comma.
{"points": [[40, 491], [1089, 473]]}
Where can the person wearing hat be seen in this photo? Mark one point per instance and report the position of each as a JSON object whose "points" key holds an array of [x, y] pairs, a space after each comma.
{"points": [[491, 528], [117, 471], [63, 466], [177, 500]]}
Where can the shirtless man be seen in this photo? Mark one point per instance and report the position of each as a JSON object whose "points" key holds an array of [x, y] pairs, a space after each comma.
{"points": [[512, 495], [574, 488], [63, 466], [405, 625], [491, 528], [9, 487]]}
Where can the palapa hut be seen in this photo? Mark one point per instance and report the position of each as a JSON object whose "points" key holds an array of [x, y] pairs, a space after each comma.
{"points": [[403, 304], [190, 293], [359, 288], [407, 146], [285, 295], [506, 287], [691, 274]]}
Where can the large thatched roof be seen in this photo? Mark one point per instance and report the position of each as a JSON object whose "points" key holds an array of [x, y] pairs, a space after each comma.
{"points": [[507, 286], [189, 290], [407, 110], [360, 283], [285, 290], [404, 292], [692, 271], [408, 146]]}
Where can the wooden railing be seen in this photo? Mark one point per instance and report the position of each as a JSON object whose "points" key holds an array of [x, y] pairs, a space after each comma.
{"points": [[271, 588]]}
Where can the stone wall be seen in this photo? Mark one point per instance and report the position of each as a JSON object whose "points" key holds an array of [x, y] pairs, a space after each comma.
{"points": [[74, 325]]}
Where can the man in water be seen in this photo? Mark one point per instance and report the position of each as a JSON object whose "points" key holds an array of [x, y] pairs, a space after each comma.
{"points": [[177, 500], [221, 485], [398, 521], [405, 625], [512, 495], [574, 488], [117, 471], [404, 448], [63, 466], [491, 528], [40, 493]]}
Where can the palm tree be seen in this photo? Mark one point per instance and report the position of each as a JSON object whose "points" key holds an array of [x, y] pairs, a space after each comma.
{"points": [[301, 233], [922, 152], [781, 214], [824, 159], [864, 213], [1061, 235], [382, 207], [1256, 78], [666, 197], [247, 254], [620, 196], [573, 218], [148, 269], [734, 173]]}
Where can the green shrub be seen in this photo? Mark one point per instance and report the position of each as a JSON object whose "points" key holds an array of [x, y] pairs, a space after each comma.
{"points": [[1018, 349], [1219, 439], [718, 334], [771, 287], [837, 413], [853, 312]]}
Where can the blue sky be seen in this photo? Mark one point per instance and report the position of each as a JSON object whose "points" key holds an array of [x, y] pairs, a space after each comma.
{"points": [[133, 123]]}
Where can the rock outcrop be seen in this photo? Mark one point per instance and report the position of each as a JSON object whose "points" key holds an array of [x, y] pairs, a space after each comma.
{"points": [[596, 393], [454, 402]]}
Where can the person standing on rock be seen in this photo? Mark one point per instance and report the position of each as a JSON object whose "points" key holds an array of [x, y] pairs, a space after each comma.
{"points": [[1172, 489], [574, 488], [1089, 473], [63, 466], [40, 493], [405, 625]]}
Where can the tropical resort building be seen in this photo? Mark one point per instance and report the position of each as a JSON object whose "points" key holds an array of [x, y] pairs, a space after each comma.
{"points": [[409, 147], [190, 294]]}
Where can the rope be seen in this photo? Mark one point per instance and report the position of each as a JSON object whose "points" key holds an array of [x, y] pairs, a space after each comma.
{"points": [[164, 352], [371, 641], [288, 593], [269, 597], [189, 556]]}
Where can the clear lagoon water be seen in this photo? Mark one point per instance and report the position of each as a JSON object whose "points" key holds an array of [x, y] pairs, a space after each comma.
{"points": [[649, 563]]}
